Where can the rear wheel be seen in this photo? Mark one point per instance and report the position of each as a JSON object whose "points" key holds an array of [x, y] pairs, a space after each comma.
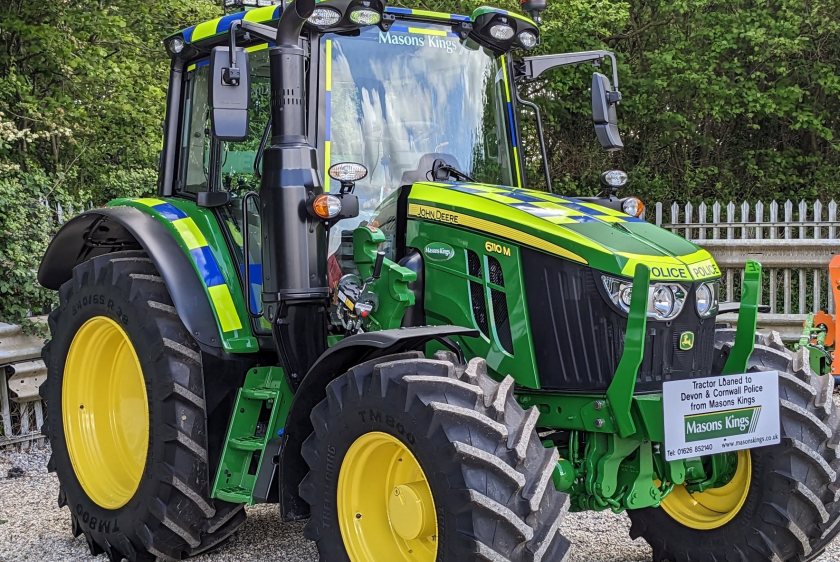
{"points": [[126, 416], [420, 460], [779, 503]]}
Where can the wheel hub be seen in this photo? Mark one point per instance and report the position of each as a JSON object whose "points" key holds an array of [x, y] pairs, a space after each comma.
{"points": [[411, 510], [713, 507], [105, 412], [386, 510]]}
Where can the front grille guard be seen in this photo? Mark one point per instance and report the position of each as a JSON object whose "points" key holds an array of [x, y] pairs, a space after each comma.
{"points": [[621, 389]]}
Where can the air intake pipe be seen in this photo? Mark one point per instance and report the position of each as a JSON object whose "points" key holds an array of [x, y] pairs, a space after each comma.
{"points": [[294, 245]]}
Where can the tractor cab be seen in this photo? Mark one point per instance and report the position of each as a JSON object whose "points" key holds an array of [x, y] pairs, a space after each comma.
{"points": [[419, 96], [395, 98]]}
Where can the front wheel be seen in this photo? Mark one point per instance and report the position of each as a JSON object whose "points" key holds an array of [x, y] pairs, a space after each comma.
{"points": [[420, 460], [779, 503]]}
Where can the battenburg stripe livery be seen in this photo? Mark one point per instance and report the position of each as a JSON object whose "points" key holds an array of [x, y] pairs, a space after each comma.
{"points": [[548, 206], [203, 259]]}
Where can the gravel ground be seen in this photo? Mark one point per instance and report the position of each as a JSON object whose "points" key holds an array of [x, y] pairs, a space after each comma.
{"points": [[32, 527]]}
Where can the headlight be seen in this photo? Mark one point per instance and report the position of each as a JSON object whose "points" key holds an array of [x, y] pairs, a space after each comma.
{"points": [[665, 300], [501, 32], [662, 301], [706, 299], [364, 16], [324, 17], [347, 171], [619, 290], [176, 45], [614, 178], [528, 39], [633, 206]]}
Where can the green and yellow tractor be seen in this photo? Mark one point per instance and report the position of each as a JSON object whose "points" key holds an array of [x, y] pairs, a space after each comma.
{"points": [[344, 300]]}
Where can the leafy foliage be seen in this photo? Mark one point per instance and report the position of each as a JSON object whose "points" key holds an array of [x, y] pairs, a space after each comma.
{"points": [[82, 89], [721, 100]]}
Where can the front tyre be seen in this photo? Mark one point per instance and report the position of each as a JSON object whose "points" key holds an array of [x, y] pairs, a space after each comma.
{"points": [[420, 460], [126, 416], [780, 502]]}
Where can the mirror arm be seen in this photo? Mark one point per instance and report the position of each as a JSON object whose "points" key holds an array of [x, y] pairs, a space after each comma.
{"points": [[230, 75], [261, 31], [534, 67], [543, 151]]}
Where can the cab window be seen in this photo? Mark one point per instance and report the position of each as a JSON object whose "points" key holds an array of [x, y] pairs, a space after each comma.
{"points": [[195, 138]]}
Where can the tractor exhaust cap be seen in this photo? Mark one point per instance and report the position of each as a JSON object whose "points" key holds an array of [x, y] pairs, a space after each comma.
{"points": [[292, 20]]}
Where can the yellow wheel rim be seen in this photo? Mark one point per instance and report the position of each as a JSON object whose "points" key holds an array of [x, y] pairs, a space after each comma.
{"points": [[716, 506], [105, 412], [385, 507]]}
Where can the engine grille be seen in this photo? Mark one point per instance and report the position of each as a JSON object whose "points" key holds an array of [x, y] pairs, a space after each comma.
{"points": [[579, 336]]}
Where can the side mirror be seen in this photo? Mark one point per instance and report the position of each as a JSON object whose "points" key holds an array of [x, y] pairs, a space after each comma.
{"points": [[604, 99], [230, 93]]}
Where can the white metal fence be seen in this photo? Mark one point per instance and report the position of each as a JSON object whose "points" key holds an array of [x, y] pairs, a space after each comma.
{"points": [[794, 243]]}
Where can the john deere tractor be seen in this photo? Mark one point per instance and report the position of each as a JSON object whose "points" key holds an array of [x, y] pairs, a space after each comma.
{"points": [[344, 300]]}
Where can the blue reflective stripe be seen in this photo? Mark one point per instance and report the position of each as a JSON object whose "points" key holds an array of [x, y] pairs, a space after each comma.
{"points": [[187, 33], [207, 266], [512, 125], [328, 120], [255, 271], [224, 23], [586, 210], [524, 197], [171, 212], [467, 189], [396, 10], [458, 17]]}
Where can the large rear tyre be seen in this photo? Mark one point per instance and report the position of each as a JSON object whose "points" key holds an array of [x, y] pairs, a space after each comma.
{"points": [[420, 460], [126, 418], [780, 503]]}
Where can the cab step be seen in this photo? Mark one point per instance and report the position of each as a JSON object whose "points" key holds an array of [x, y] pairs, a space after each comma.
{"points": [[259, 416]]}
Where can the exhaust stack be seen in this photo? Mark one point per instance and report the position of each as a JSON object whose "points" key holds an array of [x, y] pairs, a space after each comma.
{"points": [[294, 246]]}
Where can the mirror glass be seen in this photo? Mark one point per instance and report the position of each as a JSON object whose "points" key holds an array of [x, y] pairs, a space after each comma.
{"points": [[604, 114]]}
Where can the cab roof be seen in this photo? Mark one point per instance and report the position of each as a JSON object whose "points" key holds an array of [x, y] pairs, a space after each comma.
{"points": [[204, 33], [267, 14]]}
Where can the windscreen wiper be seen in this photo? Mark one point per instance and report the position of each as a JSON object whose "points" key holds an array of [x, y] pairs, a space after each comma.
{"points": [[442, 171]]}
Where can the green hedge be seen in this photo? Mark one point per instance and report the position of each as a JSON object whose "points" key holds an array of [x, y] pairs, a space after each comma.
{"points": [[722, 100]]}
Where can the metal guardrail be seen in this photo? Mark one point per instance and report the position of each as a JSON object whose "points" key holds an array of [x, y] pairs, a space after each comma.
{"points": [[789, 326], [21, 373]]}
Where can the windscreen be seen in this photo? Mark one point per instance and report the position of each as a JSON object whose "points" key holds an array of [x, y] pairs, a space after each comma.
{"points": [[400, 100]]}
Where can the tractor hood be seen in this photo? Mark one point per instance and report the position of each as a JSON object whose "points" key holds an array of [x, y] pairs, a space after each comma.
{"points": [[580, 231]]}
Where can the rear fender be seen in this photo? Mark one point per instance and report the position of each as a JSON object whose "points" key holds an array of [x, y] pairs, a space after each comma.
{"points": [[204, 289]]}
